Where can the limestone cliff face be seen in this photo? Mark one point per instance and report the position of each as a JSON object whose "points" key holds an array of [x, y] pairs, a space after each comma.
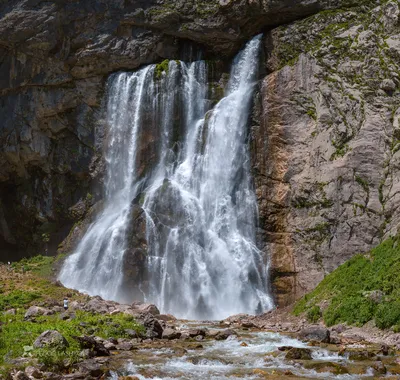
{"points": [[325, 137], [54, 61], [327, 148]]}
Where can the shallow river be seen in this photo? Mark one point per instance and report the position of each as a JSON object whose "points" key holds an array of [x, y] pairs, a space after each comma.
{"points": [[251, 355]]}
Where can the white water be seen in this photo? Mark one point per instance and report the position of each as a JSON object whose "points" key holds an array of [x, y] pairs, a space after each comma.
{"points": [[200, 206]]}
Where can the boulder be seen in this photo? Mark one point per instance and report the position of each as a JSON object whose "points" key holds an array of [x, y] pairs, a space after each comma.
{"points": [[10, 312], [87, 342], [36, 311], [225, 334], [145, 308], [131, 333], [51, 338], [20, 376], [195, 332], [125, 346], [316, 334], [91, 368], [170, 334], [152, 326], [299, 354]]}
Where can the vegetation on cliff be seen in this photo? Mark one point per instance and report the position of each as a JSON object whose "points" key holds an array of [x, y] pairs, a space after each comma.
{"points": [[365, 288]]}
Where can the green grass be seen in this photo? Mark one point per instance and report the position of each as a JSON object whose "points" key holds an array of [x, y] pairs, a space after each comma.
{"points": [[17, 335], [347, 289]]}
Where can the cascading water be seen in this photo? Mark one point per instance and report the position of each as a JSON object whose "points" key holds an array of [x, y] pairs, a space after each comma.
{"points": [[200, 207]]}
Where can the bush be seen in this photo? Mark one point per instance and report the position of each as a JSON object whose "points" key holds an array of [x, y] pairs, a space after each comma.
{"points": [[314, 314], [347, 288], [388, 314]]}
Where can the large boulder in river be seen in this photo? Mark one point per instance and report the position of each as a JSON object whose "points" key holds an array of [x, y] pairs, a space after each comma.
{"points": [[51, 338], [315, 333], [299, 354], [170, 334], [152, 325]]}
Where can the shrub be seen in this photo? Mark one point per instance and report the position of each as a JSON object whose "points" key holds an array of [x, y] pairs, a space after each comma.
{"points": [[388, 314], [314, 314]]}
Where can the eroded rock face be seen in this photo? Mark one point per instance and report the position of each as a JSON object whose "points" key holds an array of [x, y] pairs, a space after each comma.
{"points": [[326, 158], [54, 61]]}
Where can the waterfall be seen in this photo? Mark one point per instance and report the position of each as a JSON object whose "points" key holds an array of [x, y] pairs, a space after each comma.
{"points": [[196, 194]]}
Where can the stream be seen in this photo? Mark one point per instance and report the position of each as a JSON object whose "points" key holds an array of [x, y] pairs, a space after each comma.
{"points": [[251, 355]]}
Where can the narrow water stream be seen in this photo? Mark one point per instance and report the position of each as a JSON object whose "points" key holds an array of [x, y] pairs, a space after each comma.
{"points": [[250, 355]]}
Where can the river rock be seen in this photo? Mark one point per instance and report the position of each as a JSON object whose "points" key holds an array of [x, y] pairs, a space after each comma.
{"points": [[91, 368], [125, 346], [20, 375], [299, 354], [225, 334], [315, 333], [194, 332], [152, 325], [51, 338], [170, 334]]}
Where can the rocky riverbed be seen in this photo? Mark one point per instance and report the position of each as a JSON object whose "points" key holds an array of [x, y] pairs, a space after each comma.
{"points": [[274, 345]]}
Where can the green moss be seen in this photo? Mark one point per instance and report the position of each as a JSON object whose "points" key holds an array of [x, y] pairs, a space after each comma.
{"points": [[346, 289], [161, 68], [314, 314]]}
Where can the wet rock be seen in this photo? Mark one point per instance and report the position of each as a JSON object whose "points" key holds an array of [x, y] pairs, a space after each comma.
{"points": [[125, 346], [199, 338], [86, 354], [212, 333], [194, 332], [379, 368], [360, 355], [299, 354], [152, 325], [323, 367], [51, 338], [315, 333], [170, 334], [225, 334], [334, 338], [36, 311], [248, 325], [184, 336], [285, 348], [87, 342]]}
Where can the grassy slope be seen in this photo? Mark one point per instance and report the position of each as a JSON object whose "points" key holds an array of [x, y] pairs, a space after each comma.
{"points": [[348, 289], [29, 283]]}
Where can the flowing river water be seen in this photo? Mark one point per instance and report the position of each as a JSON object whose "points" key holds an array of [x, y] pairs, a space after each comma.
{"points": [[253, 354]]}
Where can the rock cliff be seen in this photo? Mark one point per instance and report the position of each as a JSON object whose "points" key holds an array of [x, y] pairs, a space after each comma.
{"points": [[325, 133], [326, 152]]}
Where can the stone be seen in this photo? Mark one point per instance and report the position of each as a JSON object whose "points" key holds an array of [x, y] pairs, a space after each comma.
{"points": [[359, 355], [299, 354], [87, 342], [36, 311], [91, 368], [131, 333], [152, 325], [170, 334], [146, 308], [225, 334], [20, 375], [315, 333], [125, 346], [194, 332], [33, 372], [379, 368], [10, 312], [51, 338]]}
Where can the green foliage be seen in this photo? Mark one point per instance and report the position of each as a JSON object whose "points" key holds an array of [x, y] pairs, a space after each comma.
{"points": [[16, 298], [314, 314], [39, 264], [161, 68], [18, 334], [347, 289]]}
